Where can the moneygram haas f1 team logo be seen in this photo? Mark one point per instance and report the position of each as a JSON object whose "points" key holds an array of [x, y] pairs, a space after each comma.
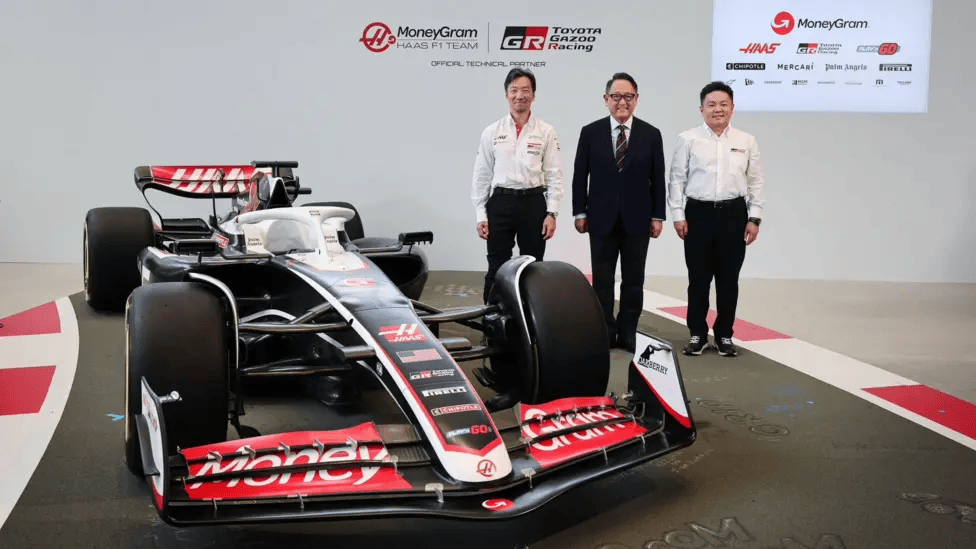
{"points": [[377, 37], [783, 23]]}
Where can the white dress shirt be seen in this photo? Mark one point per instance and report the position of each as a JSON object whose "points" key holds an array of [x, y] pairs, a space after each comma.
{"points": [[523, 160], [710, 167]]}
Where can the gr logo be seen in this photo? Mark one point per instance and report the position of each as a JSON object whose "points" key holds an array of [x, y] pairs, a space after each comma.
{"points": [[524, 38]]}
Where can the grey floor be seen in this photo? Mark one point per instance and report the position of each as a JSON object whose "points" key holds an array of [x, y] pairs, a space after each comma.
{"points": [[923, 332]]}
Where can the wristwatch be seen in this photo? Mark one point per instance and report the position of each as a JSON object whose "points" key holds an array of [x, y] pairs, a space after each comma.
{"points": [[552, 214], [755, 221]]}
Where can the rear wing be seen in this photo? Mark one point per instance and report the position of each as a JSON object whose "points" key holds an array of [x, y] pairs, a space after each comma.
{"points": [[208, 181]]}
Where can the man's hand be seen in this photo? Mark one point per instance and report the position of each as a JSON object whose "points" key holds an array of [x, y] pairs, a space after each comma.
{"points": [[752, 233], [483, 230], [656, 228], [681, 227], [582, 225], [548, 227]]}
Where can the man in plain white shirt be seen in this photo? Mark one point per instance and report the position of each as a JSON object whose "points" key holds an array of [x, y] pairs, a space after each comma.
{"points": [[716, 198], [518, 179]]}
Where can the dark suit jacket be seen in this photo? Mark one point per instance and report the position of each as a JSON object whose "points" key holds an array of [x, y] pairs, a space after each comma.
{"points": [[636, 193]]}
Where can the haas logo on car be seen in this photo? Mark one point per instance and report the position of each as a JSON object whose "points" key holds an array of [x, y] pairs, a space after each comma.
{"points": [[402, 333]]}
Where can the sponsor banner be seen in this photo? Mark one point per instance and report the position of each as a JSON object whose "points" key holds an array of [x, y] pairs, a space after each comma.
{"points": [[363, 470], [474, 44], [807, 45], [559, 415]]}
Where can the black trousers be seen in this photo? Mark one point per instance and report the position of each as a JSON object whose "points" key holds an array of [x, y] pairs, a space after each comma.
{"points": [[632, 251], [513, 217], [714, 247]]}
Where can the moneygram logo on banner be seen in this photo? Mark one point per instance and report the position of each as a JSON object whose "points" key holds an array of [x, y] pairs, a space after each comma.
{"points": [[378, 37], [784, 23], [549, 38]]}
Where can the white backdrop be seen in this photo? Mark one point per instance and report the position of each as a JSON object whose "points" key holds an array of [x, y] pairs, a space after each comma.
{"points": [[93, 89], [869, 57]]}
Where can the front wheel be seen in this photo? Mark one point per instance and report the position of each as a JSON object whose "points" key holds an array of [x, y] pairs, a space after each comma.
{"points": [[175, 337], [569, 351]]}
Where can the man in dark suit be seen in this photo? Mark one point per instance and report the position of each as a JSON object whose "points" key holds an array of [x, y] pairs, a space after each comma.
{"points": [[623, 205]]}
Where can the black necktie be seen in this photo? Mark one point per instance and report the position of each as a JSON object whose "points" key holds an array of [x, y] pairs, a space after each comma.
{"points": [[620, 150]]}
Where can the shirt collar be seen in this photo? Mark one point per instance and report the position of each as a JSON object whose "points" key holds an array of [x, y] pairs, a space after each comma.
{"points": [[511, 121], [628, 124], [710, 132]]}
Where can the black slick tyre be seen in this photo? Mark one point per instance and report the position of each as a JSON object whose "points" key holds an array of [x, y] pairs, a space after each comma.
{"points": [[176, 338], [113, 238]]}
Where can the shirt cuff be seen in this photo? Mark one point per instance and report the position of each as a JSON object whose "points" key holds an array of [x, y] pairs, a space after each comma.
{"points": [[678, 214], [580, 216], [755, 211], [482, 215]]}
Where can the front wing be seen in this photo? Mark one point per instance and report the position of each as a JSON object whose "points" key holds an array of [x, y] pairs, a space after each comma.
{"points": [[386, 470]]}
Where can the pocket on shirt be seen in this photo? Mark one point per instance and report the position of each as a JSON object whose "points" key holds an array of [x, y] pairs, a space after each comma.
{"points": [[739, 161]]}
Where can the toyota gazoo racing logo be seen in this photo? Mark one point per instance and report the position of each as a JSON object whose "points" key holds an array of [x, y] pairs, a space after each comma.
{"points": [[813, 48], [783, 23], [403, 333], [549, 38], [378, 37], [427, 374]]}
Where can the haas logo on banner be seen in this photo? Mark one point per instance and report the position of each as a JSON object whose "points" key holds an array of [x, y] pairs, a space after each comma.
{"points": [[760, 48]]}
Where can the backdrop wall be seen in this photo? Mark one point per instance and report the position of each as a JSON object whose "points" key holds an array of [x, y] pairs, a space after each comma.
{"points": [[92, 89]]}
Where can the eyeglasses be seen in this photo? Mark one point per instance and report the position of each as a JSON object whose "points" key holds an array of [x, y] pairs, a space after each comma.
{"points": [[628, 97]]}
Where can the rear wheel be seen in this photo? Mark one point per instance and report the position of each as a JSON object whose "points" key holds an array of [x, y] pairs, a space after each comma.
{"points": [[176, 339], [113, 238], [571, 355]]}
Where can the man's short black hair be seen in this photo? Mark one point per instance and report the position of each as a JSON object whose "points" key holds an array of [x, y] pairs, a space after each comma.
{"points": [[621, 76], [518, 73], [713, 87]]}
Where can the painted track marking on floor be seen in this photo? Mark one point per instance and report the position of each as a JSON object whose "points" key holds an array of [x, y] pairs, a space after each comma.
{"points": [[880, 387], [26, 435]]}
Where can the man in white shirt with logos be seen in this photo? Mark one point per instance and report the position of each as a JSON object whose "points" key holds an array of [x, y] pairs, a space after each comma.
{"points": [[716, 198], [518, 179]]}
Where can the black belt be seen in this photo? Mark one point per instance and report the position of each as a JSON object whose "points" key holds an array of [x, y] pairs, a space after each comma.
{"points": [[719, 203], [520, 192]]}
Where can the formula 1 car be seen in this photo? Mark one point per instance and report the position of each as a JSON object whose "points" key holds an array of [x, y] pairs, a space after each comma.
{"points": [[274, 291]]}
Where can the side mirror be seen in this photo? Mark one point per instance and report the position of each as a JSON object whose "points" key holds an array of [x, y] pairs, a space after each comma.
{"points": [[409, 239]]}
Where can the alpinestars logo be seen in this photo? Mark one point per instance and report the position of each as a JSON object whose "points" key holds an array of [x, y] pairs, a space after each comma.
{"points": [[549, 38], [403, 333]]}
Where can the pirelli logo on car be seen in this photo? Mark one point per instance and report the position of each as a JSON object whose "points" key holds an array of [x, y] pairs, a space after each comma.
{"points": [[445, 391]]}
